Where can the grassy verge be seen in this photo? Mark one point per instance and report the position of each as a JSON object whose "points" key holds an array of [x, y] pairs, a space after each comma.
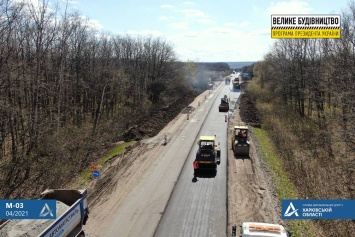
{"points": [[283, 185], [85, 176]]}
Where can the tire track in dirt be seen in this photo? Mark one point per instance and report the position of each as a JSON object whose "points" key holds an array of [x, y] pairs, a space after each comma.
{"points": [[251, 195], [124, 173], [119, 180]]}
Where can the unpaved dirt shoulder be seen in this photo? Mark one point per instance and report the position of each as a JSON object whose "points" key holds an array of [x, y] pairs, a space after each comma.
{"points": [[251, 193], [122, 174]]}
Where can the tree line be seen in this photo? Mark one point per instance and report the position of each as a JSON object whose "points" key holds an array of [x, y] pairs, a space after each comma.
{"points": [[316, 78], [305, 90], [66, 89]]}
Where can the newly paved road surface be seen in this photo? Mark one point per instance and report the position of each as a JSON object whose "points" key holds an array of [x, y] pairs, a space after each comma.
{"points": [[166, 201], [199, 208]]}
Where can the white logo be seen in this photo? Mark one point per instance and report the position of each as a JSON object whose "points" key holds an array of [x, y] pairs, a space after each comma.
{"points": [[288, 212], [45, 211]]}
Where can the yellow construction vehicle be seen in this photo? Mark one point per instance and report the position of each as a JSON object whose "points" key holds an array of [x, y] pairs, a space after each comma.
{"points": [[208, 155], [240, 140]]}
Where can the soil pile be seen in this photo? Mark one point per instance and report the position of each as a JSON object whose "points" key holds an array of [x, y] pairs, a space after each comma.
{"points": [[248, 111], [157, 120]]}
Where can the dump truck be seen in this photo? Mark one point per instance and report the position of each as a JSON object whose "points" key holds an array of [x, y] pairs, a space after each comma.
{"points": [[71, 214], [224, 105], [259, 229], [236, 78], [240, 141], [208, 155]]}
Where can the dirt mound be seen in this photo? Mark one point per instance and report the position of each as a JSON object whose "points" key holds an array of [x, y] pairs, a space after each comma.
{"points": [[247, 110], [157, 120]]}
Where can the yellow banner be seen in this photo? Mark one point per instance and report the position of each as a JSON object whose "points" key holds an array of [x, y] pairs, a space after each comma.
{"points": [[305, 33]]}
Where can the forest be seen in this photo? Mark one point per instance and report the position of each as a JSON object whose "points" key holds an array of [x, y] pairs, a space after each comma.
{"points": [[68, 92], [304, 90]]}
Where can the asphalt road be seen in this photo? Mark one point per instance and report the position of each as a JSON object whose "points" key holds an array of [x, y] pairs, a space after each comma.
{"points": [[199, 207], [164, 200]]}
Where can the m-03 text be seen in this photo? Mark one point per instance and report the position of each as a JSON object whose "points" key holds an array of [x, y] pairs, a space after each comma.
{"points": [[17, 205]]}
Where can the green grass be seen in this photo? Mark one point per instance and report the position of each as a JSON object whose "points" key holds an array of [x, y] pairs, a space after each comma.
{"points": [[283, 185], [115, 151], [85, 176]]}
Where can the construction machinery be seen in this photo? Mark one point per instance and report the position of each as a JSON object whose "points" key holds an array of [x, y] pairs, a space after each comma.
{"points": [[208, 155], [240, 140], [258, 229], [224, 105], [236, 79]]}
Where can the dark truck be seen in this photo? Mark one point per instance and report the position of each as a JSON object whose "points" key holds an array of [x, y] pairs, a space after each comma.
{"points": [[224, 106], [208, 156]]}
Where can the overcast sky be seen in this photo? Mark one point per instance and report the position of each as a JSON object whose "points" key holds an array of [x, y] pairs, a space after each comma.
{"points": [[202, 30]]}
